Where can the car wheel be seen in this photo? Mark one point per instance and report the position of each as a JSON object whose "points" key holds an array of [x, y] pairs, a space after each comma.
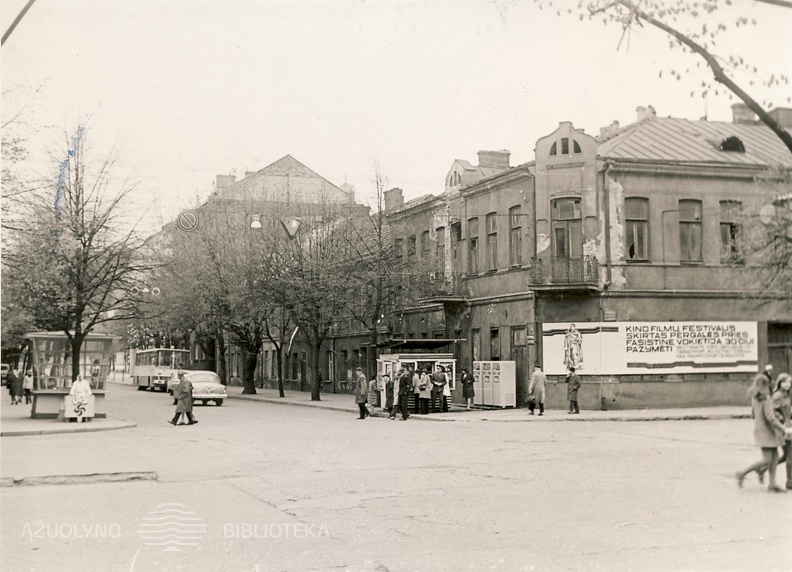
{"points": [[141, 388], [203, 402], [219, 402]]}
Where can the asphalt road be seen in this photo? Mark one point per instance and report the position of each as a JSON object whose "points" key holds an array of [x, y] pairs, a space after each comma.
{"points": [[270, 487]]}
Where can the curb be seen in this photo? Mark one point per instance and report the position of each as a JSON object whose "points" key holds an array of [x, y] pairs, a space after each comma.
{"points": [[78, 479], [527, 419], [77, 428]]}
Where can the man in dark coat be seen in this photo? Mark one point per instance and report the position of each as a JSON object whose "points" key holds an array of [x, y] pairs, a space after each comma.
{"points": [[15, 386], [405, 389], [573, 381], [361, 393]]}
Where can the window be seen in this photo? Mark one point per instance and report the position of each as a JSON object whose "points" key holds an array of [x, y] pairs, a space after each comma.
{"points": [[636, 215], [440, 253], [492, 241], [730, 231], [576, 147], [425, 245], [411, 249], [515, 236], [690, 231], [473, 246], [554, 149], [494, 344], [456, 240], [518, 335], [565, 145], [567, 229], [398, 247]]}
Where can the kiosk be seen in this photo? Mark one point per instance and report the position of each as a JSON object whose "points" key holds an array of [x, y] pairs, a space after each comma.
{"points": [[49, 356], [415, 353], [495, 383]]}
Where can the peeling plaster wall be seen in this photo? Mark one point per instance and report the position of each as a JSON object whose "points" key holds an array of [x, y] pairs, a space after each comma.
{"points": [[615, 202]]}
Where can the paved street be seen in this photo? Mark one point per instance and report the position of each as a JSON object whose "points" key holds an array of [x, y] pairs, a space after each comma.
{"points": [[273, 487]]}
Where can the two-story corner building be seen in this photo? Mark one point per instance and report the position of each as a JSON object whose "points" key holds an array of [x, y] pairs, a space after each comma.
{"points": [[663, 309], [619, 255]]}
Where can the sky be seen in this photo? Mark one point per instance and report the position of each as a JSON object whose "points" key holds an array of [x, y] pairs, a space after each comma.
{"points": [[184, 90]]}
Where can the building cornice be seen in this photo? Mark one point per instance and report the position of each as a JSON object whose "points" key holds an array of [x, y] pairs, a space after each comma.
{"points": [[513, 175], [682, 168]]}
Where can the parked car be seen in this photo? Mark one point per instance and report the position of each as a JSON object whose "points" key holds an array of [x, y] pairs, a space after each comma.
{"points": [[206, 387], [5, 370]]}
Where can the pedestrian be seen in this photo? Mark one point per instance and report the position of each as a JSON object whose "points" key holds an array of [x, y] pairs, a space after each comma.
{"points": [[184, 400], [387, 382], [80, 392], [373, 393], [769, 432], [425, 390], [439, 382], [416, 382], [361, 392], [573, 384], [782, 407], [405, 389], [11, 381], [468, 391], [396, 384], [27, 386], [536, 390]]}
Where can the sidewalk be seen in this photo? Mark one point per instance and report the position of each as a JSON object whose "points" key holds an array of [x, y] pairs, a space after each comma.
{"points": [[15, 421], [346, 403]]}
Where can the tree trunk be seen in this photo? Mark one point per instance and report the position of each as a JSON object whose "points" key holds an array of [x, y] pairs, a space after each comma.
{"points": [[279, 361], [316, 350], [249, 387], [76, 346], [221, 360]]}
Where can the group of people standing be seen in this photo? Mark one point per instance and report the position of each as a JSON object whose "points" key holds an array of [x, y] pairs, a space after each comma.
{"points": [[431, 391], [19, 386], [771, 411]]}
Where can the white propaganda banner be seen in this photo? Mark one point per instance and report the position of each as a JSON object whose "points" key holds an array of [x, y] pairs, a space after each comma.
{"points": [[604, 348]]}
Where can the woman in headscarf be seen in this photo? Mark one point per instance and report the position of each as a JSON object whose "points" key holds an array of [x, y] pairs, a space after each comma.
{"points": [[769, 432], [80, 392]]}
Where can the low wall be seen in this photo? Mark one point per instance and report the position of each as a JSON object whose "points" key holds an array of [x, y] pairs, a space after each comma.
{"points": [[651, 394]]}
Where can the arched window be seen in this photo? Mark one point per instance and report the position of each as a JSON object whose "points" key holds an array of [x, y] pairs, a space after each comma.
{"points": [[554, 149], [576, 147]]}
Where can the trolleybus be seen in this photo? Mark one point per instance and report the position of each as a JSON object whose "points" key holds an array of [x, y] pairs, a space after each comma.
{"points": [[151, 369]]}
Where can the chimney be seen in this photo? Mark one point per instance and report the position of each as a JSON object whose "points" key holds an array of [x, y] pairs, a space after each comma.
{"points": [[495, 159], [350, 191], [394, 199], [741, 113], [645, 112], [783, 115], [224, 181], [610, 130]]}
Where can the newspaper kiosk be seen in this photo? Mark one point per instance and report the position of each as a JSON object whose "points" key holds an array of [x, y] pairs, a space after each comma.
{"points": [[414, 353], [49, 356]]}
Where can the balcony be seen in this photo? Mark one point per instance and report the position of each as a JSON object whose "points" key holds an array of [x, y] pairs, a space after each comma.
{"points": [[437, 287], [564, 273]]}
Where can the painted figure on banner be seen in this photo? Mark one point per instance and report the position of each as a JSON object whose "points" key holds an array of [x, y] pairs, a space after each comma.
{"points": [[573, 348]]}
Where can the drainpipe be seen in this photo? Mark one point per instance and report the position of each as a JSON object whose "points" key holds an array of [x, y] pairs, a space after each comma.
{"points": [[606, 201]]}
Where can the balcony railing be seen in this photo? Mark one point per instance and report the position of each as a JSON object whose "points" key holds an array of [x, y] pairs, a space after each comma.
{"points": [[564, 273], [437, 285]]}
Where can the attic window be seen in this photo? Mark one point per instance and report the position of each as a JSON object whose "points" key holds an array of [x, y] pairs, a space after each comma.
{"points": [[733, 144], [554, 148], [576, 146]]}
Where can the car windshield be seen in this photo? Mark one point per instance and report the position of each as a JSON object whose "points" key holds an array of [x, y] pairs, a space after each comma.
{"points": [[204, 377]]}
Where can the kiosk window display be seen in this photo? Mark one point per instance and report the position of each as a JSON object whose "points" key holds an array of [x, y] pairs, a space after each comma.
{"points": [[391, 364], [48, 356]]}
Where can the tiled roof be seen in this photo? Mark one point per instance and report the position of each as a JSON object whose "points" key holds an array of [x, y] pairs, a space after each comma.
{"points": [[671, 139]]}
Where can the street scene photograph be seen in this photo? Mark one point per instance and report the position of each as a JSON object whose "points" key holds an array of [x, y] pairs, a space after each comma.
{"points": [[542, 247]]}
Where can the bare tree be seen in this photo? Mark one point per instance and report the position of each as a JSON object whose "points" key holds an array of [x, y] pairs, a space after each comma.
{"points": [[628, 14], [72, 265]]}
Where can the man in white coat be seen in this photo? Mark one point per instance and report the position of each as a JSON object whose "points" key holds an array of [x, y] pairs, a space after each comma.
{"points": [[536, 390]]}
